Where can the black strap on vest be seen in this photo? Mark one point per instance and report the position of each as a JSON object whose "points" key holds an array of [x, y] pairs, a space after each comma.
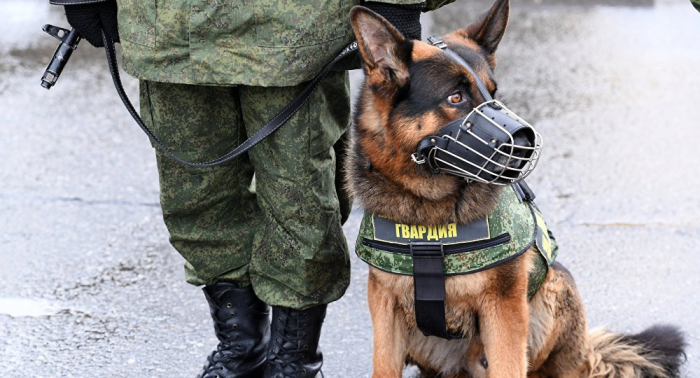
{"points": [[278, 120], [429, 279], [523, 191], [429, 284]]}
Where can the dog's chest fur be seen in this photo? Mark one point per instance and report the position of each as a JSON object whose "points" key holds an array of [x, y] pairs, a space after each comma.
{"points": [[401, 197], [462, 292], [461, 318]]}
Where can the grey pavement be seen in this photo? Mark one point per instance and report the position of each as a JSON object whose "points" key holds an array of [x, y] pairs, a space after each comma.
{"points": [[89, 285]]}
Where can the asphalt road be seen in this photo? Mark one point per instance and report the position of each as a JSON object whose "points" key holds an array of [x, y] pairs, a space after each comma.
{"points": [[89, 285]]}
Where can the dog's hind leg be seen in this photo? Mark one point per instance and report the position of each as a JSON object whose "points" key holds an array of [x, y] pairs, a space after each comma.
{"points": [[390, 332], [558, 339]]}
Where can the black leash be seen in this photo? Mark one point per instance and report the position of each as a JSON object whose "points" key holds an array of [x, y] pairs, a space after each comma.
{"points": [[278, 120]]}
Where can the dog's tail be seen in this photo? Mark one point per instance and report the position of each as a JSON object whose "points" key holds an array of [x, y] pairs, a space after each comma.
{"points": [[656, 352]]}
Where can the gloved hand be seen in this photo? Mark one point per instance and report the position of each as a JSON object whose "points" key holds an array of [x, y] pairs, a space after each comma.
{"points": [[88, 19], [406, 18]]}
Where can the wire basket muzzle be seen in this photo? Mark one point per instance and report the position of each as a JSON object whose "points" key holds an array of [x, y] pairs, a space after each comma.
{"points": [[491, 145]]}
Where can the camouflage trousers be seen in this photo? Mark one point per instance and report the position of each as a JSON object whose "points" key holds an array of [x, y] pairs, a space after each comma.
{"points": [[272, 217]]}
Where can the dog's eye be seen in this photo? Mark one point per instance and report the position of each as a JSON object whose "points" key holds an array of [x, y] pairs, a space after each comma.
{"points": [[455, 98]]}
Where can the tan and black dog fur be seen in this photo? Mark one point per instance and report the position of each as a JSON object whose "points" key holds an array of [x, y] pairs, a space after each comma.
{"points": [[411, 90]]}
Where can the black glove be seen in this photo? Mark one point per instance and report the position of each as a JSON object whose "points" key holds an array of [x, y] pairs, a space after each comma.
{"points": [[406, 18], [89, 19]]}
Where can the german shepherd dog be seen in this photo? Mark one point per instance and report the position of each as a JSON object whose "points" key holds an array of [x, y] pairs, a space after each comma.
{"points": [[411, 90]]}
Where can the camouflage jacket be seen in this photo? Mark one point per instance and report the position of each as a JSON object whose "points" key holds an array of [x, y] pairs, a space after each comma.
{"points": [[696, 4], [262, 43]]}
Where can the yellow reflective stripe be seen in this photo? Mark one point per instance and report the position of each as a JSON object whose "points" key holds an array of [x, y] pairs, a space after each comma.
{"points": [[546, 242]]}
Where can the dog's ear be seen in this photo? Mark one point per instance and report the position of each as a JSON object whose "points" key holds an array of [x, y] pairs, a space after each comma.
{"points": [[384, 50], [489, 29]]}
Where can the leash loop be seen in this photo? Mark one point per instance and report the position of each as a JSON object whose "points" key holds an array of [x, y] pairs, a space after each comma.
{"points": [[270, 127]]}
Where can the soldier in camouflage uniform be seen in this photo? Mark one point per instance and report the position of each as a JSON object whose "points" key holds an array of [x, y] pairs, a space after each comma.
{"points": [[264, 229]]}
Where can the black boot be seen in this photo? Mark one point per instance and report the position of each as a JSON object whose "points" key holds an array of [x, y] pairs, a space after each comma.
{"points": [[242, 324], [293, 350]]}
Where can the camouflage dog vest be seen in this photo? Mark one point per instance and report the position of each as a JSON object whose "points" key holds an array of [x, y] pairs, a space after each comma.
{"points": [[510, 230]]}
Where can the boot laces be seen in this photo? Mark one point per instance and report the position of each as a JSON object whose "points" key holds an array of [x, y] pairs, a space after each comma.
{"points": [[219, 360], [290, 334], [227, 351]]}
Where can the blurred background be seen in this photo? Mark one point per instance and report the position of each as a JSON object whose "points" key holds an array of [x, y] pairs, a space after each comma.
{"points": [[90, 286]]}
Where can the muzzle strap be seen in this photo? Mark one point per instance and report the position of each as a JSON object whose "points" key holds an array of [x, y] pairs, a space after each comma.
{"points": [[423, 152], [437, 42]]}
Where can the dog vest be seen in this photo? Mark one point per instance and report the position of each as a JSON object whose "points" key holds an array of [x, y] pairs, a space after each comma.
{"points": [[430, 253]]}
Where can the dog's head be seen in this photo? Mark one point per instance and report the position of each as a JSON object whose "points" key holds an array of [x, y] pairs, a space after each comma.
{"points": [[412, 89]]}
